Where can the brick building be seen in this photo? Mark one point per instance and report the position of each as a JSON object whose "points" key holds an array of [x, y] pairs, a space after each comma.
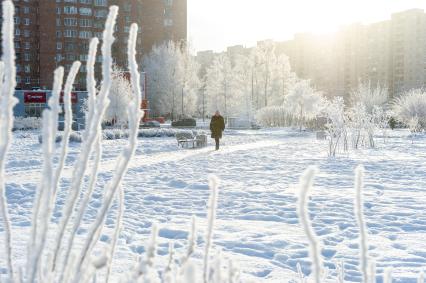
{"points": [[51, 33]]}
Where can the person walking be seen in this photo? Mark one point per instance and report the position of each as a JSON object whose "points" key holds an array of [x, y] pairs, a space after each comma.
{"points": [[217, 125]]}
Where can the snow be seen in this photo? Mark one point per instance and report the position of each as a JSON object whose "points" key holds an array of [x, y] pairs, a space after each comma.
{"points": [[257, 223]]}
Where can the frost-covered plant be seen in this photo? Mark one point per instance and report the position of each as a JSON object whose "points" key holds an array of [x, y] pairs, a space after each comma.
{"points": [[303, 102], [370, 97], [367, 266], [409, 106], [335, 127], [381, 119], [359, 215], [306, 182], [361, 125], [7, 102], [274, 116]]}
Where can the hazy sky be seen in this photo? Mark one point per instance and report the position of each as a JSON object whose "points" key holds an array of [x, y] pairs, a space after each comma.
{"points": [[216, 24]]}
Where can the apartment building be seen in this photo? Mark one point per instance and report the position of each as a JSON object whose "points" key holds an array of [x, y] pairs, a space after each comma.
{"points": [[55, 33], [391, 53]]}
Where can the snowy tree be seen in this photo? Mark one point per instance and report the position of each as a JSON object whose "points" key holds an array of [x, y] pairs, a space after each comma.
{"points": [[172, 80], [219, 81], [190, 83], [120, 96], [411, 107], [303, 102], [265, 62]]}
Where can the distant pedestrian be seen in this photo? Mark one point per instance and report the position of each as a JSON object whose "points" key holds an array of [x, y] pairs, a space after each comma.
{"points": [[217, 126]]}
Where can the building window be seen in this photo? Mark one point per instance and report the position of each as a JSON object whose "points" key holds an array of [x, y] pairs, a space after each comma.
{"points": [[58, 45], [16, 20], [58, 11], [101, 3], [70, 57], [17, 31], [27, 45], [58, 34], [71, 10], [27, 21], [26, 33], [33, 109], [26, 10], [85, 11], [27, 80], [85, 23], [85, 34], [17, 44], [58, 57], [27, 69], [86, 1], [27, 56], [70, 33], [70, 22], [101, 13]]}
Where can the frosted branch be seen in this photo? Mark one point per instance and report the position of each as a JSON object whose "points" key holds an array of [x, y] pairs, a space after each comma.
{"points": [[305, 186]]}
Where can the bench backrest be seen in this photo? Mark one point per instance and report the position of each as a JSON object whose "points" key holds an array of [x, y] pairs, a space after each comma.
{"points": [[184, 136]]}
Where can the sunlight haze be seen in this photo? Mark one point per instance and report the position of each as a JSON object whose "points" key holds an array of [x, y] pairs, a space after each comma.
{"points": [[216, 24]]}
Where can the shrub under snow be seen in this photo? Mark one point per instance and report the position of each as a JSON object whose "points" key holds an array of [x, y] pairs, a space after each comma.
{"points": [[28, 123], [410, 109]]}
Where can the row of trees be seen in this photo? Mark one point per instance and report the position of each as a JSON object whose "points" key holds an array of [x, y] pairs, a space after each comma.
{"points": [[260, 85], [237, 86]]}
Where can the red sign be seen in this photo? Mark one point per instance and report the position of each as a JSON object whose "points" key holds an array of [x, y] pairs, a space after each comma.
{"points": [[74, 98], [35, 97]]}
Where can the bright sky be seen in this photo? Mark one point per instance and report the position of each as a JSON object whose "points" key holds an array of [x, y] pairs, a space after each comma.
{"points": [[216, 24]]}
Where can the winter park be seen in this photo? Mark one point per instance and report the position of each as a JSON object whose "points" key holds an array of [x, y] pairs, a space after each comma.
{"points": [[181, 141]]}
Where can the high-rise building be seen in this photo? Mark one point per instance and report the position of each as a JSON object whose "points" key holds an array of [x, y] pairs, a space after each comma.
{"points": [[390, 53], [51, 33]]}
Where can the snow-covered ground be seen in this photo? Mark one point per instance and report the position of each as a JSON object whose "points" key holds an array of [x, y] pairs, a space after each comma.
{"points": [[257, 224]]}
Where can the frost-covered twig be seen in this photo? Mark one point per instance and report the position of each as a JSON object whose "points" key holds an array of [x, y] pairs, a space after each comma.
{"points": [[117, 231], [93, 132], [44, 193], [306, 182], [211, 215], [387, 275], [421, 278], [7, 102], [123, 161], [340, 271], [192, 242], [359, 214], [302, 278], [144, 268]]}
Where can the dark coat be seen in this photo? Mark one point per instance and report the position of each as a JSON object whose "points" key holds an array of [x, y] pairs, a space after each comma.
{"points": [[217, 125]]}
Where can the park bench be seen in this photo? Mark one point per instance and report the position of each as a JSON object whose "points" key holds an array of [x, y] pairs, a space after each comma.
{"points": [[188, 140]]}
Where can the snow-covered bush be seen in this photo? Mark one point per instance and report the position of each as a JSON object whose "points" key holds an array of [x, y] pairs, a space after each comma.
{"points": [[411, 106], [304, 103], [336, 128], [371, 98], [73, 137], [26, 123], [362, 127], [274, 116]]}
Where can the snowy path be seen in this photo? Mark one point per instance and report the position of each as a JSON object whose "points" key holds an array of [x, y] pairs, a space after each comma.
{"points": [[257, 222]]}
